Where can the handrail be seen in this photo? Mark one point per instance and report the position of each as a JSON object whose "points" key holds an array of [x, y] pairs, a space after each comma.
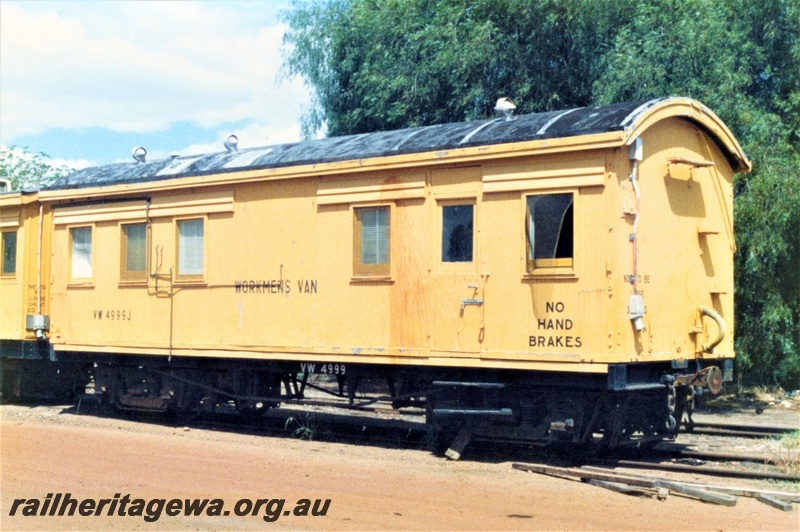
{"points": [[720, 324]]}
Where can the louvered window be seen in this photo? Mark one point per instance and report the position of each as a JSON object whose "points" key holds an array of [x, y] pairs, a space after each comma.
{"points": [[372, 240], [190, 247]]}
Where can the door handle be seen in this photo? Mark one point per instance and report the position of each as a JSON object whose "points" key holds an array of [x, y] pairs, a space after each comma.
{"points": [[476, 302]]}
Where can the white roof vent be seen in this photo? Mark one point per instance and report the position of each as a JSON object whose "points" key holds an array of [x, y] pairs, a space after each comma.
{"points": [[232, 143], [505, 107], [139, 154]]}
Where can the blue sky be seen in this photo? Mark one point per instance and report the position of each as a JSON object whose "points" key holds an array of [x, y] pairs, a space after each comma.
{"points": [[86, 82]]}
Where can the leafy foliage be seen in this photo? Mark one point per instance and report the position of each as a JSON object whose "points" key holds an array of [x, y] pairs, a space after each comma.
{"points": [[28, 170], [387, 64], [400, 63], [767, 272]]}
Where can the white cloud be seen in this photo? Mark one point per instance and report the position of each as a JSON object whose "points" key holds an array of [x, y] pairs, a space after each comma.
{"points": [[140, 66], [72, 164]]}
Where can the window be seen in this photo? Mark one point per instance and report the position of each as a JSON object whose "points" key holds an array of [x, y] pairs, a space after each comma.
{"points": [[371, 241], [549, 230], [190, 248], [9, 253], [81, 245], [457, 233], [134, 252]]}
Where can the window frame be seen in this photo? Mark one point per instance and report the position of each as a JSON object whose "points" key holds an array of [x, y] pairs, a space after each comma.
{"points": [[3, 272], [370, 271], [554, 267], [190, 277], [81, 281], [443, 266], [127, 276]]}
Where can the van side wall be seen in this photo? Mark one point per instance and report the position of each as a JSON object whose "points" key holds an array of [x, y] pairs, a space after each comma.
{"points": [[278, 276]]}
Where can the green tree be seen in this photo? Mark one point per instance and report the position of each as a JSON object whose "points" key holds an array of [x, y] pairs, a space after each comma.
{"points": [[767, 211], [28, 170], [400, 63]]}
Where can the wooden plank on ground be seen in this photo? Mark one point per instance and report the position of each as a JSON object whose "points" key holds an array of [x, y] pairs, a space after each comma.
{"points": [[567, 472], [708, 496], [618, 487], [730, 490], [703, 495], [776, 503]]}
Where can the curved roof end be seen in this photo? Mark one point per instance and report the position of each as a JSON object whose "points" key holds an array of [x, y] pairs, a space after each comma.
{"points": [[655, 110]]}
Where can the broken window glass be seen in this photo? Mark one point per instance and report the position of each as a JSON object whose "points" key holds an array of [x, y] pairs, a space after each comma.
{"points": [[549, 228]]}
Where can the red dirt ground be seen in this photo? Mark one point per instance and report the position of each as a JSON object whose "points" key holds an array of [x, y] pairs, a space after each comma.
{"points": [[370, 487]]}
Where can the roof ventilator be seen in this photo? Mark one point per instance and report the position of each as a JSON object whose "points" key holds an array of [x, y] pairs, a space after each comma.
{"points": [[139, 154], [232, 143], [505, 107]]}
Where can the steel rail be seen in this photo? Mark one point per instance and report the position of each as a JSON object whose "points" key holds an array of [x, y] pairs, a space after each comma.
{"points": [[711, 456], [697, 469], [754, 429]]}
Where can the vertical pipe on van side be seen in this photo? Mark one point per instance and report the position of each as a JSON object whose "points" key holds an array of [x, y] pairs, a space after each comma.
{"points": [[39, 265]]}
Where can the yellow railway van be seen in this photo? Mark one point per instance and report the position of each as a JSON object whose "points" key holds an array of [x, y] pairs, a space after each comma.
{"points": [[27, 358], [561, 275]]}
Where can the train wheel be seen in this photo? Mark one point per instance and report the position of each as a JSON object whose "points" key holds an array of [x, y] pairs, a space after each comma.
{"points": [[251, 410], [10, 382], [254, 390], [187, 402]]}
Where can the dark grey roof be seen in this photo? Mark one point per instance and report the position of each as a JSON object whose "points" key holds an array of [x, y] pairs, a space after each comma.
{"points": [[555, 124]]}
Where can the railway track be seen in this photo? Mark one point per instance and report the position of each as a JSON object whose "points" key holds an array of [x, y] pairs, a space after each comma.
{"points": [[698, 468], [383, 426], [738, 431], [376, 424], [666, 456]]}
